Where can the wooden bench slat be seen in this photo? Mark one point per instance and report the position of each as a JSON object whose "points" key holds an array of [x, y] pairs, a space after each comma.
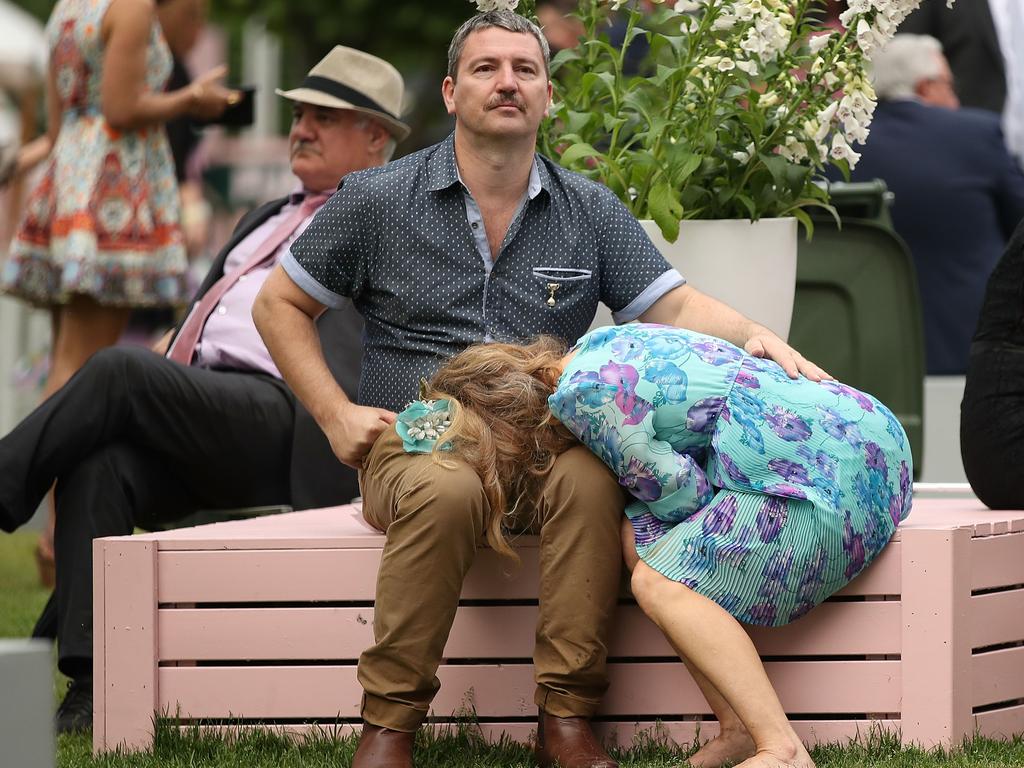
{"points": [[996, 616], [319, 575], [996, 561], [504, 631], [997, 676], [507, 689], [350, 574], [1000, 723], [882, 577]]}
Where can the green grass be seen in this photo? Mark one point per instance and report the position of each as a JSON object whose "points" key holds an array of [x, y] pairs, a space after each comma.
{"points": [[21, 599]]}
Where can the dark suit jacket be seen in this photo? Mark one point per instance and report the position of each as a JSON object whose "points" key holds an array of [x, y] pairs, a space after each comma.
{"points": [[958, 197], [971, 43], [318, 479]]}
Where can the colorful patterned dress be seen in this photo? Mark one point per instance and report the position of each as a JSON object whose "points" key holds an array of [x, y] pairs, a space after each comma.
{"points": [[103, 221], [763, 493]]}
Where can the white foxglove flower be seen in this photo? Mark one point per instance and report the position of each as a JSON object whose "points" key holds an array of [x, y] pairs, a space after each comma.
{"points": [[865, 37], [744, 155], [793, 150], [726, 65], [818, 42], [856, 131], [749, 67], [686, 6], [496, 5], [842, 151], [724, 22], [826, 115]]}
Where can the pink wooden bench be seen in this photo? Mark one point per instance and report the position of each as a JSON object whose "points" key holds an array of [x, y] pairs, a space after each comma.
{"points": [[262, 621]]}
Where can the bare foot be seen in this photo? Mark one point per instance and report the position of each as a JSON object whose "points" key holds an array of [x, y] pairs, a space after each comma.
{"points": [[730, 746], [791, 755]]}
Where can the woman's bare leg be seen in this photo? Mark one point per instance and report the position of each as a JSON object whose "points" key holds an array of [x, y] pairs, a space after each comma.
{"points": [[733, 743], [79, 329], [712, 642], [84, 327]]}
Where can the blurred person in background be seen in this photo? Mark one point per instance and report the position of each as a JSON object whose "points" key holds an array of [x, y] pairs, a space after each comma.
{"points": [[101, 233], [958, 192], [982, 40], [144, 437], [560, 27], [181, 22]]}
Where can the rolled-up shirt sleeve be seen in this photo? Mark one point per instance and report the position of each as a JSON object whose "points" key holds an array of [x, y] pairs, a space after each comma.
{"points": [[634, 274], [329, 260]]}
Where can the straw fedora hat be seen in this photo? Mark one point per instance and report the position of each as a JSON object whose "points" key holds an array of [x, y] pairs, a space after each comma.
{"points": [[349, 79]]}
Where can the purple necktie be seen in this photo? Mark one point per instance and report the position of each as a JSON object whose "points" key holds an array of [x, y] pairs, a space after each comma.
{"points": [[188, 337]]}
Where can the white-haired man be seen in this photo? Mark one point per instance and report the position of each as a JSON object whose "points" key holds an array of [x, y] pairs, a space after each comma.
{"points": [[138, 437], [958, 193]]}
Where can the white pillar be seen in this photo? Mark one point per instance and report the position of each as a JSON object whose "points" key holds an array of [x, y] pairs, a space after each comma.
{"points": [[261, 66]]}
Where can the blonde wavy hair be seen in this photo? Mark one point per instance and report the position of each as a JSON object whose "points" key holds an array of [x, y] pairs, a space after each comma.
{"points": [[501, 425]]}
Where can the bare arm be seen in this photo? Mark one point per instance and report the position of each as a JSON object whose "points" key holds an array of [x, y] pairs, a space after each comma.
{"points": [[686, 307], [127, 103], [37, 150], [285, 316]]}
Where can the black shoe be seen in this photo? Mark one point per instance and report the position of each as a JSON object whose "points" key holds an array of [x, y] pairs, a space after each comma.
{"points": [[75, 712]]}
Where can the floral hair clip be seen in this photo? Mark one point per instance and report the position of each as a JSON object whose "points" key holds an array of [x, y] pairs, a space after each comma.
{"points": [[423, 422]]}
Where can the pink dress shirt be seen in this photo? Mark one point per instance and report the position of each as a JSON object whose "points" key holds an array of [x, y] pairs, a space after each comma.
{"points": [[230, 339]]}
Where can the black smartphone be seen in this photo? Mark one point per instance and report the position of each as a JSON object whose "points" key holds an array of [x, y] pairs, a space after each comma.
{"points": [[239, 114]]}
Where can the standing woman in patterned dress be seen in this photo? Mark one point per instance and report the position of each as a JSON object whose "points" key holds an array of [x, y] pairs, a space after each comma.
{"points": [[754, 496], [100, 234]]}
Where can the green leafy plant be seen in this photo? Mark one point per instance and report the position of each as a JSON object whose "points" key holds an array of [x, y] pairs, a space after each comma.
{"points": [[736, 112]]}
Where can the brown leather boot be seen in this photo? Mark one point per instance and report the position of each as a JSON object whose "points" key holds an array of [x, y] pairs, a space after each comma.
{"points": [[383, 748], [568, 742]]}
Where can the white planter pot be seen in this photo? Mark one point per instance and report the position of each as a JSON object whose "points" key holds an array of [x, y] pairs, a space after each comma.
{"points": [[751, 266]]}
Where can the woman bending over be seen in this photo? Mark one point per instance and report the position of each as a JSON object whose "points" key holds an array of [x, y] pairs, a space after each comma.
{"points": [[754, 496]]}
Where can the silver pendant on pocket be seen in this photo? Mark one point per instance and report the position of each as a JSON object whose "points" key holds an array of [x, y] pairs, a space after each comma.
{"points": [[552, 289]]}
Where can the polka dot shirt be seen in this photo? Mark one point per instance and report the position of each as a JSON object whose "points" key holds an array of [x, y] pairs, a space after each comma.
{"points": [[397, 241]]}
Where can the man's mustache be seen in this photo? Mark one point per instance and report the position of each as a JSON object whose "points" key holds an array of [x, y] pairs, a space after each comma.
{"points": [[309, 146], [511, 100]]}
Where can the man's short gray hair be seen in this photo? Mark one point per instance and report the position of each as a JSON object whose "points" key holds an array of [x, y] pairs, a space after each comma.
{"points": [[904, 62], [509, 20]]}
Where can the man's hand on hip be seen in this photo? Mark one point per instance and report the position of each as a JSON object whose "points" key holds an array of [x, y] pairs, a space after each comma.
{"points": [[354, 429]]}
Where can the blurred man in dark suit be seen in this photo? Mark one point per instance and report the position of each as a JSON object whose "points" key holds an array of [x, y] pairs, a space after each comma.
{"points": [[958, 193], [968, 36]]}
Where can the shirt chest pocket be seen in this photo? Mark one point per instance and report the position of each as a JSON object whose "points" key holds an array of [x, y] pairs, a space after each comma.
{"points": [[563, 286]]}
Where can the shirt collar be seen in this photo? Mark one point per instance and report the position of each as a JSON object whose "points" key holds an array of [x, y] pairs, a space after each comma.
{"points": [[300, 193], [443, 171]]}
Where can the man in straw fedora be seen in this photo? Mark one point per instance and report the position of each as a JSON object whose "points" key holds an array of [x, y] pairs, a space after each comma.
{"points": [[474, 239], [142, 437]]}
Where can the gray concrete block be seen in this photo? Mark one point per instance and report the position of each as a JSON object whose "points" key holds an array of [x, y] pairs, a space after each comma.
{"points": [[26, 704]]}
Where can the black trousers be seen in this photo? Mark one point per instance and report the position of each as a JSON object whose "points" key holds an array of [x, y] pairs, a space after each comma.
{"points": [[134, 439], [992, 425]]}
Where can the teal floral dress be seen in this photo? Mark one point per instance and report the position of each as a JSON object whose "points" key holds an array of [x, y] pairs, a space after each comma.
{"points": [[763, 493]]}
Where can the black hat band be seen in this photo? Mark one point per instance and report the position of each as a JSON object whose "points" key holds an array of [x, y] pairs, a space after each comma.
{"points": [[343, 92]]}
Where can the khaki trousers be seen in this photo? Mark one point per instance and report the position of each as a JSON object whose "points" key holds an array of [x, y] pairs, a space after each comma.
{"points": [[434, 520]]}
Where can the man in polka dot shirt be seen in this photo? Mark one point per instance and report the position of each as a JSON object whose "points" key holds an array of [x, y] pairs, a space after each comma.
{"points": [[477, 238]]}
